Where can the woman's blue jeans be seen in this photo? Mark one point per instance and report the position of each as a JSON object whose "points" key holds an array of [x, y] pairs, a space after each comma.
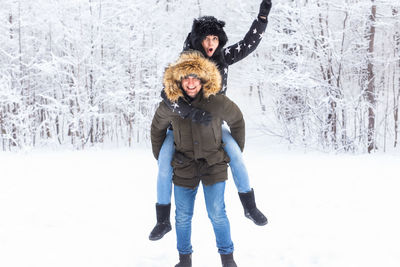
{"points": [[215, 204], [164, 178]]}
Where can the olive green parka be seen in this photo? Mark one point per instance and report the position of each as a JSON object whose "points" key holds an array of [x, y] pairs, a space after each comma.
{"points": [[199, 154]]}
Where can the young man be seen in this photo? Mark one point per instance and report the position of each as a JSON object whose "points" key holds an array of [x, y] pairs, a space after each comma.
{"points": [[199, 155], [209, 38]]}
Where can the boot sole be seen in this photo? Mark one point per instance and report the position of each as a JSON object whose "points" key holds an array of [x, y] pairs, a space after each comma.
{"points": [[155, 238], [259, 224]]}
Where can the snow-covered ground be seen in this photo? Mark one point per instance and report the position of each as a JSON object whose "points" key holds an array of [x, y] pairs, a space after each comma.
{"points": [[96, 208]]}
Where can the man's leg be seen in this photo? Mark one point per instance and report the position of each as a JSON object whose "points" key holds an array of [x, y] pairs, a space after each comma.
{"points": [[184, 202], [164, 185], [214, 197]]}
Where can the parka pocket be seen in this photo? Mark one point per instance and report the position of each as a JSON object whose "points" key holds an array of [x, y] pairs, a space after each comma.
{"points": [[177, 138], [183, 166], [217, 132], [218, 157], [215, 136]]}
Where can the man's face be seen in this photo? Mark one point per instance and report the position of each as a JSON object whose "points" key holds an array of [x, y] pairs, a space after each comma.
{"points": [[191, 86], [210, 44]]}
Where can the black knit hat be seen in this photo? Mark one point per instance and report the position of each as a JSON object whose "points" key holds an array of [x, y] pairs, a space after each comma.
{"points": [[207, 25]]}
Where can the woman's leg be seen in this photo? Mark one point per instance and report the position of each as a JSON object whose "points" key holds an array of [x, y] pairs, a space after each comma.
{"points": [[241, 178], [164, 185], [164, 177], [238, 168]]}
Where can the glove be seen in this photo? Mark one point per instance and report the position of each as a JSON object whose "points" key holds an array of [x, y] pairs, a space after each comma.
{"points": [[265, 7], [200, 116]]}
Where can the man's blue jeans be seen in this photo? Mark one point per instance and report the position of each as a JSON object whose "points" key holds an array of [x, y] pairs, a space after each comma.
{"points": [[164, 178], [214, 198]]}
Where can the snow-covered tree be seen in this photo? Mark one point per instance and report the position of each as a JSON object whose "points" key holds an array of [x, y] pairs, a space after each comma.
{"points": [[79, 73]]}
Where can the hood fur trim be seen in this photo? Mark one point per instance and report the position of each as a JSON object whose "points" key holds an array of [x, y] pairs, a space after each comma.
{"points": [[191, 62]]}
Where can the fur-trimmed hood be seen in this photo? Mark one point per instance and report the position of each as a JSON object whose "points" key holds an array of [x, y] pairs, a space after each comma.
{"points": [[191, 62]]}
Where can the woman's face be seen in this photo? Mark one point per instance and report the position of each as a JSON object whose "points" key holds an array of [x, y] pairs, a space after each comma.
{"points": [[210, 44]]}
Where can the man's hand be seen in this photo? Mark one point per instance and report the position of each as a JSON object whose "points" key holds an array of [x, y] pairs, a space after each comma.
{"points": [[265, 7], [200, 116]]}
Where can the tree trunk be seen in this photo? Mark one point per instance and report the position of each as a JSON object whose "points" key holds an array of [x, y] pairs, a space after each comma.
{"points": [[10, 20], [396, 95], [327, 73], [371, 82], [198, 4], [338, 85], [91, 75]]}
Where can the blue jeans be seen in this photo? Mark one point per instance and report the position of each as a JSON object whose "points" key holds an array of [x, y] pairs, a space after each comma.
{"points": [[164, 178], [215, 204], [238, 168]]}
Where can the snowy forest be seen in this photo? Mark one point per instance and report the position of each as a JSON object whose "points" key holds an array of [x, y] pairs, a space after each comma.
{"points": [[81, 73]]}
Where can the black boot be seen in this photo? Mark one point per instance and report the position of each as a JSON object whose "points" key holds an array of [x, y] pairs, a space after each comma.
{"points": [[250, 208], [185, 260], [163, 225], [227, 260]]}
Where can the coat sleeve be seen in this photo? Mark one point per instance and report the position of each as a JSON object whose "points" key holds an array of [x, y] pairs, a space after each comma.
{"points": [[180, 108], [159, 126], [243, 48], [234, 118]]}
